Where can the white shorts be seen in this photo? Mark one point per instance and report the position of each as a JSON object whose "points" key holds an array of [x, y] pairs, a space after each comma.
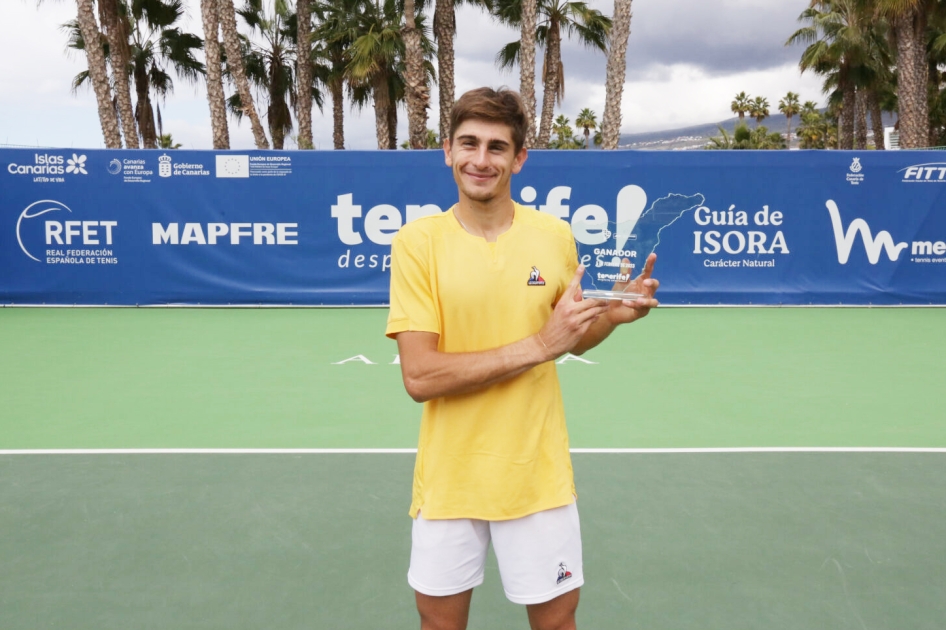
{"points": [[539, 555]]}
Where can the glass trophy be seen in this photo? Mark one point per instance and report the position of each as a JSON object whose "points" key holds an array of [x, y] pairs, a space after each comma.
{"points": [[611, 256]]}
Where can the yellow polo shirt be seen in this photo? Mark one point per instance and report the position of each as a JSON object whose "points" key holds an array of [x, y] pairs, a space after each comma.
{"points": [[502, 452]]}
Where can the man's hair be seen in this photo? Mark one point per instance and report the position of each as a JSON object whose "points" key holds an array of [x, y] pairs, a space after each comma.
{"points": [[501, 106]]}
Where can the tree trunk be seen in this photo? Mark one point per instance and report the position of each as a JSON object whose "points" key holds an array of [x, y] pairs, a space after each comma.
{"points": [[392, 122], [527, 65], [846, 131], [144, 112], [445, 28], [788, 135], [98, 73], [550, 79], [876, 120], [304, 74], [416, 91], [382, 102], [614, 80], [912, 82], [117, 35], [860, 119], [338, 112], [231, 43], [216, 98]]}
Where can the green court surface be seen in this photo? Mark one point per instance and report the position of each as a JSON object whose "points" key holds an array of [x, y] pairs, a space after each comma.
{"points": [[674, 539]]}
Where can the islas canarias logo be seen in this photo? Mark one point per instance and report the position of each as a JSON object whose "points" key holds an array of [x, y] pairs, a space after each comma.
{"points": [[50, 164]]}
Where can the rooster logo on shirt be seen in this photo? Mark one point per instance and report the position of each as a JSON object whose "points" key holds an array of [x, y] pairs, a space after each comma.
{"points": [[535, 278]]}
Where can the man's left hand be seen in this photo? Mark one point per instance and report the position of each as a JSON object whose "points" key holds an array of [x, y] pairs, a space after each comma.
{"points": [[626, 311]]}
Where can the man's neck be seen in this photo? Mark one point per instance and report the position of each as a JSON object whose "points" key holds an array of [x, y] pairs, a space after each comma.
{"points": [[486, 219]]}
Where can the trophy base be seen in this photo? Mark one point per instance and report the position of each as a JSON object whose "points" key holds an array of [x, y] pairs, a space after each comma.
{"points": [[595, 294]]}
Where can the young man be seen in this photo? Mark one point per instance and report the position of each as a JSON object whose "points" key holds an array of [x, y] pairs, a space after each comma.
{"points": [[484, 298]]}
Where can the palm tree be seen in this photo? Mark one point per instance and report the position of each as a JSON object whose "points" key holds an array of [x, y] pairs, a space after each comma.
{"points": [[304, 72], [376, 62], [336, 31], [839, 37], [165, 141], [415, 79], [742, 138], [216, 98], [556, 18], [155, 44], [113, 15], [374, 55], [231, 41], [759, 109], [741, 105], [270, 65], [527, 30], [614, 78], [98, 72], [789, 107], [586, 120], [565, 136], [908, 20]]}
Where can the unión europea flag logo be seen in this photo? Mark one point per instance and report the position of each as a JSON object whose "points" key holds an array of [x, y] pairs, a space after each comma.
{"points": [[233, 166]]}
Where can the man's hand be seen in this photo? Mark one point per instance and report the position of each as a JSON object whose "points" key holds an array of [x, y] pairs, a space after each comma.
{"points": [[626, 311], [571, 319]]}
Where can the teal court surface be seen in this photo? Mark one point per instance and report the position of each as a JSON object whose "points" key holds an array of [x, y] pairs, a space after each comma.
{"points": [[250, 468]]}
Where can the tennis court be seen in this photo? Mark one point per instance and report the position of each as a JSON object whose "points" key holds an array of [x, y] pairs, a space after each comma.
{"points": [[250, 468]]}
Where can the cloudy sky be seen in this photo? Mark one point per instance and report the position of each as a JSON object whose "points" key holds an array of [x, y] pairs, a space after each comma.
{"points": [[686, 60]]}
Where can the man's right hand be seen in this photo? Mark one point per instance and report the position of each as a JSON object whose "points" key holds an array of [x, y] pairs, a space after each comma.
{"points": [[571, 319]]}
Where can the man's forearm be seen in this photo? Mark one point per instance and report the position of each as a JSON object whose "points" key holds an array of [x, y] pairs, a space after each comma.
{"points": [[429, 373]]}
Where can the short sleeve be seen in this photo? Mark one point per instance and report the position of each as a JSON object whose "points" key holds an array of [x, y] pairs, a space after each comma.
{"points": [[413, 307]]}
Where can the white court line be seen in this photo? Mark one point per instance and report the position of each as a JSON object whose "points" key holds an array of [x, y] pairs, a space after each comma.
{"points": [[386, 451]]}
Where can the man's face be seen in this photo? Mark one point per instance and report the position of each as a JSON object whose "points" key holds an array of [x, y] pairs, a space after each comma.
{"points": [[484, 159]]}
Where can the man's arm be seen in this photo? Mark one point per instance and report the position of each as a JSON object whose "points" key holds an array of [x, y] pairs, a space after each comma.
{"points": [[429, 373], [625, 311]]}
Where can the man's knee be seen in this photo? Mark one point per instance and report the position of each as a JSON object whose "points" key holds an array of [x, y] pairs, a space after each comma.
{"points": [[449, 612], [555, 614]]}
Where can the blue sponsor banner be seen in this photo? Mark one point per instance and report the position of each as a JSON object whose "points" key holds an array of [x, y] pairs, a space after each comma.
{"points": [[315, 228]]}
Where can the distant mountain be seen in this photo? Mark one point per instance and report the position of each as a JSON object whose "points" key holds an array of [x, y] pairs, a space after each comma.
{"points": [[697, 136]]}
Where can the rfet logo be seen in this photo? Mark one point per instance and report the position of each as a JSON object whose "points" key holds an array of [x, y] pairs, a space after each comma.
{"points": [[59, 237]]}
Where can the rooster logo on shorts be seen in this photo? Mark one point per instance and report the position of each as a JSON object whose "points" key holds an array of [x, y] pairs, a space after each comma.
{"points": [[563, 573], [535, 278]]}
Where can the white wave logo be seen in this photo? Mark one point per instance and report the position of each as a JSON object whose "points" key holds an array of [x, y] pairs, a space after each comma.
{"points": [[872, 245], [76, 164], [114, 167], [53, 206]]}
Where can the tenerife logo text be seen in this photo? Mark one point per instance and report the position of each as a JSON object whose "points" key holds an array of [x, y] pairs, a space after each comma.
{"points": [[932, 172], [75, 242], [874, 245]]}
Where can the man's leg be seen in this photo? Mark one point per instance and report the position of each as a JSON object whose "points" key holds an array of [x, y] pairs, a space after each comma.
{"points": [[449, 612], [556, 614]]}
